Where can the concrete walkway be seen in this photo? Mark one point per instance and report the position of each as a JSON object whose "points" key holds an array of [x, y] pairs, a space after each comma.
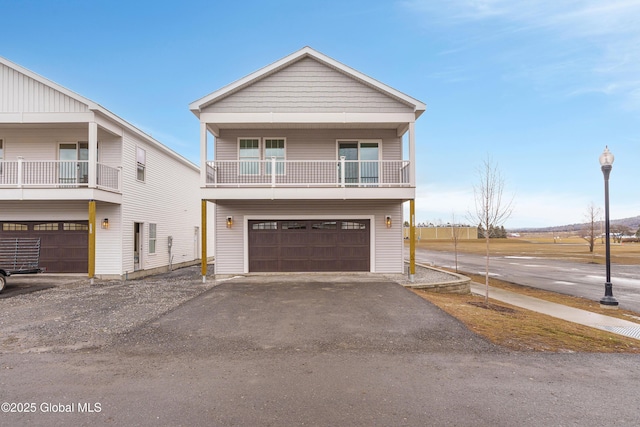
{"points": [[575, 315]]}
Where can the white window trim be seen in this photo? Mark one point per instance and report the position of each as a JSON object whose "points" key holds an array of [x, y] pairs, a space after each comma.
{"points": [[143, 164], [360, 142], [2, 148], [264, 153], [259, 156], [154, 239]]}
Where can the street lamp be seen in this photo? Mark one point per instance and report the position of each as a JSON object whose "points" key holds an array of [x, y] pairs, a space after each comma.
{"points": [[606, 162]]}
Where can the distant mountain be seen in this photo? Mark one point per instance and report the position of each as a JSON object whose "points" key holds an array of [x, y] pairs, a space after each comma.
{"points": [[633, 223]]}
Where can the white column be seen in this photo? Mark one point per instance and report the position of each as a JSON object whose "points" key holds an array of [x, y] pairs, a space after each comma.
{"points": [[203, 154], [412, 154], [93, 154]]}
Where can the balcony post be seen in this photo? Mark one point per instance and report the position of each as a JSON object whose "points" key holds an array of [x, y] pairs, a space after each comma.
{"points": [[273, 171], [412, 154], [203, 154], [342, 174], [93, 155], [20, 162]]}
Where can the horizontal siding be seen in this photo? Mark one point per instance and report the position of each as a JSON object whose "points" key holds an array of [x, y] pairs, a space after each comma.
{"points": [[230, 251], [309, 86], [109, 241], [28, 210], [169, 198], [306, 144], [20, 93]]}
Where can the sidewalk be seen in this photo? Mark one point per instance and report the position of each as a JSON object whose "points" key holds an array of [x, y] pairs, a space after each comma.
{"points": [[575, 315]]}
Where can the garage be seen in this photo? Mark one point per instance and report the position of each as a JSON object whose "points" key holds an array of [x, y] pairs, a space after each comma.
{"points": [[309, 245], [64, 245]]}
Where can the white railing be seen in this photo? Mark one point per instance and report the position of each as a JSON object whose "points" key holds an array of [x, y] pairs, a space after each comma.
{"points": [[308, 173], [56, 174]]}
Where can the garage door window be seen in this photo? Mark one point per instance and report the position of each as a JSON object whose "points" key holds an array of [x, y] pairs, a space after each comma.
{"points": [[294, 225], [51, 226], [267, 225], [14, 227], [72, 226], [325, 225], [351, 225]]}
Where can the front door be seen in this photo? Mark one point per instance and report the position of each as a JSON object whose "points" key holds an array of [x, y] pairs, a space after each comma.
{"points": [[361, 161], [74, 166], [137, 245]]}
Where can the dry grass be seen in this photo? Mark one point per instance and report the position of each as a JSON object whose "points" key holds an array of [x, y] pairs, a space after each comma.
{"points": [[524, 330], [570, 248]]}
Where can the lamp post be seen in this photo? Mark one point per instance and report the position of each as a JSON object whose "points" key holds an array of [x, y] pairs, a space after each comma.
{"points": [[606, 162]]}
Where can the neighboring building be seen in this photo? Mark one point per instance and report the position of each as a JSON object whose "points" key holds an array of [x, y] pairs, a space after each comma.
{"points": [[104, 197], [309, 172]]}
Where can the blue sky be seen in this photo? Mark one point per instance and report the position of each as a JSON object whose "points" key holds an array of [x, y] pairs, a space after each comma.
{"points": [[539, 86]]}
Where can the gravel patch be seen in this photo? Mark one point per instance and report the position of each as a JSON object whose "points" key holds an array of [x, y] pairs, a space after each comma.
{"points": [[78, 315], [424, 275]]}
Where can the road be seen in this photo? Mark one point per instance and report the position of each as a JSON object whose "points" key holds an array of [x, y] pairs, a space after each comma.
{"points": [[570, 278]]}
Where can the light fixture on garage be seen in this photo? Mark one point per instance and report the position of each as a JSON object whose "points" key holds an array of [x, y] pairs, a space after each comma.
{"points": [[105, 223], [387, 220], [229, 221]]}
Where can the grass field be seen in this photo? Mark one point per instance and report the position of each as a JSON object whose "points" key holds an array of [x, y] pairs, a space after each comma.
{"points": [[569, 248], [524, 330]]}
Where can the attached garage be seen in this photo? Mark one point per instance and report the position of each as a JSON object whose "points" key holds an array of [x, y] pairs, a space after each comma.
{"points": [[309, 245], [64, 245]]}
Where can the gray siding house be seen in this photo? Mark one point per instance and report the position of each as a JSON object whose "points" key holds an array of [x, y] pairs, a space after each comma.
{"points": [[308, 171]]}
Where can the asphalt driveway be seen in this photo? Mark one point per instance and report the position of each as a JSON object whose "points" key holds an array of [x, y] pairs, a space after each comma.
{"points": [[316, 350]]}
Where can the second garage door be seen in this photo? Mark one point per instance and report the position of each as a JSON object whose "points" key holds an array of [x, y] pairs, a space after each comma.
{"points": [[309, 245]]}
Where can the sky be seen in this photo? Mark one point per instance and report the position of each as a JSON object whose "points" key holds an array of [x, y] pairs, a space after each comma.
{"points": [[539, 87]]}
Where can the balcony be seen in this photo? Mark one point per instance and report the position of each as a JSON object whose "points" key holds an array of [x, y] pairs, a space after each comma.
{"points": [[308, 173], [57, 174]]}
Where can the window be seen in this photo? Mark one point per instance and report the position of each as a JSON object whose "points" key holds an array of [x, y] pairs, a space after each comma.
{"points": [[249, 156], [152, 238], [1, 155], [294, 225], [9, 226], [141, 163], [361, 161], [50, 226], [268, 225], [274, 148], [326, 225], [74, 226], [353, 225]]}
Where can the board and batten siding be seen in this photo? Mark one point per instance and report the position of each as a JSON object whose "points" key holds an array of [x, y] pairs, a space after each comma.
{"points": [[309, 144], [387, 242], [169, 197], [308, 86], [20, 93]]}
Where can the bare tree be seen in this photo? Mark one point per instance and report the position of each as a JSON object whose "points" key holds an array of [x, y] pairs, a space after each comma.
{"points": [[590, 231], [455, 237], [491, 210]]}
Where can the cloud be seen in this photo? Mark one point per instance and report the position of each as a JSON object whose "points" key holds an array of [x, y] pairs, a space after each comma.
{"points": [[572, 46]]}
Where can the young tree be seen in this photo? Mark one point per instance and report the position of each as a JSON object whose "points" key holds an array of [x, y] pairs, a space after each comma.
{"points": [[592, 217], [491, 210], [455, 237]]}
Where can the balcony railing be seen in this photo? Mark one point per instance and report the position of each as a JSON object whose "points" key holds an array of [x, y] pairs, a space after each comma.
{"points": [[56, 174], [308, 173]]}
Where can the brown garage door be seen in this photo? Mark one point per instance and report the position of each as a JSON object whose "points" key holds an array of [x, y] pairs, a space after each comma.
{"points": [[309, 245], [63, 244]]}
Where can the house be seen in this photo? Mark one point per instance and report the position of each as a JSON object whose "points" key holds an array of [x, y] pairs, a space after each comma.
{"points": [[105, 199], [309, 170]]}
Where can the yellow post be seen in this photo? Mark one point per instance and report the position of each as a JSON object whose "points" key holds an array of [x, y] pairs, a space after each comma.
{"points": [[412, 238], [203, 219], [92, 239]]}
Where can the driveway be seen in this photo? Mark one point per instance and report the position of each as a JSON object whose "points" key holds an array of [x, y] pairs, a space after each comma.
{"points": [[314, 350]]}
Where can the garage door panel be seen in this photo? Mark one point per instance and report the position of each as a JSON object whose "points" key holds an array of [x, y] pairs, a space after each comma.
{"points": [[64, 246], [309, 245]]}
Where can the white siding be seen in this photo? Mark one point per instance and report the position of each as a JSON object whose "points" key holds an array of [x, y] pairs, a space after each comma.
{"points": [[44, 210], [38, 144], [308, 86], [387, 242], [20, 93], [169, 197], [108, 241], [316, 144]]}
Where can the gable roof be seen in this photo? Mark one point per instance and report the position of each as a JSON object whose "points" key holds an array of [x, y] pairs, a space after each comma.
{"points": [[198, 105], [95, 107]]}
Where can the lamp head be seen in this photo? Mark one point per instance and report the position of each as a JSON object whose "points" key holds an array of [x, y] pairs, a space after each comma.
{"points": [[606, 158]]}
